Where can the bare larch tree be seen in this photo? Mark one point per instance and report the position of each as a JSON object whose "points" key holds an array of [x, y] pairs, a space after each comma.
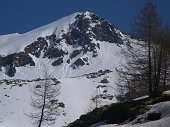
{"points": [[44, 100]]}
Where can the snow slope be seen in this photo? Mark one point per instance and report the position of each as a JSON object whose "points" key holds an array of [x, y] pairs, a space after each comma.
{"points": [[76, 87], [75, 93]]}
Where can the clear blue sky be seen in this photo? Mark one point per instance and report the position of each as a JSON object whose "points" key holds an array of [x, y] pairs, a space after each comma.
{"points": [[24, 15]]}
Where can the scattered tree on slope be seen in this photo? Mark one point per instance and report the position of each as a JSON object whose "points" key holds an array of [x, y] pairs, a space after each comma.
{"points": [[44, 101]]}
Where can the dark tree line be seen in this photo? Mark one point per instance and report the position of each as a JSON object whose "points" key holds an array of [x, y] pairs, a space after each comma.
{"points": [[147, 66]]}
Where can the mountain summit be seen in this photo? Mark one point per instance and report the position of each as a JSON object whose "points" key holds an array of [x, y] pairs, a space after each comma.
{"points": [[79, 34], [80, 50]]}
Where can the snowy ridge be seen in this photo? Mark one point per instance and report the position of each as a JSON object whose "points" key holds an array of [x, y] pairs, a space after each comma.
{"points": [[16, 42]]}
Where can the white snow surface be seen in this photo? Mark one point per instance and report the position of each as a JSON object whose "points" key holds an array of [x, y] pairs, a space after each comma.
{"points": [[139, 98], [166, 93], [76, 89], [75, 93]]}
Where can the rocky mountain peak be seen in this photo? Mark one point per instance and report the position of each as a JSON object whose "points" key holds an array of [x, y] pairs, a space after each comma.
{"points": [[79, 41]]}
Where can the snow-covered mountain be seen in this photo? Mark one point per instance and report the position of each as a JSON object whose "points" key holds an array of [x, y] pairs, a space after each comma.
{"points": [[80, 50]]}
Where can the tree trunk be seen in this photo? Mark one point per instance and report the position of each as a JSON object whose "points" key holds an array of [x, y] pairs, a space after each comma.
{"points": [[150, 65], [165, 73], [42, 111]]}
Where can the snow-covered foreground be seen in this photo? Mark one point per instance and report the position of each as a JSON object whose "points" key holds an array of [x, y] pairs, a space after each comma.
{"points": [[75, 93], [163, 108]]}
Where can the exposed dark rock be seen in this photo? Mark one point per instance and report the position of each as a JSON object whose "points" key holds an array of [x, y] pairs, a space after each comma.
{"points": [[38, 86], [37, 47], [67, 38], [78, 63], [106, 32], [98, 45], [154, 116], [12, 61], [7, 60], [68, 61], [62, 105], [75, 34], [20, 82], [101, 86], [20, 85], [22, 59], [54, 53], [82, 23], [10, 71], [58, 62], [97, 74], [102, 31], [75, 53], [85, 59], [104, 91], [105, 80], [6, 95]]}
